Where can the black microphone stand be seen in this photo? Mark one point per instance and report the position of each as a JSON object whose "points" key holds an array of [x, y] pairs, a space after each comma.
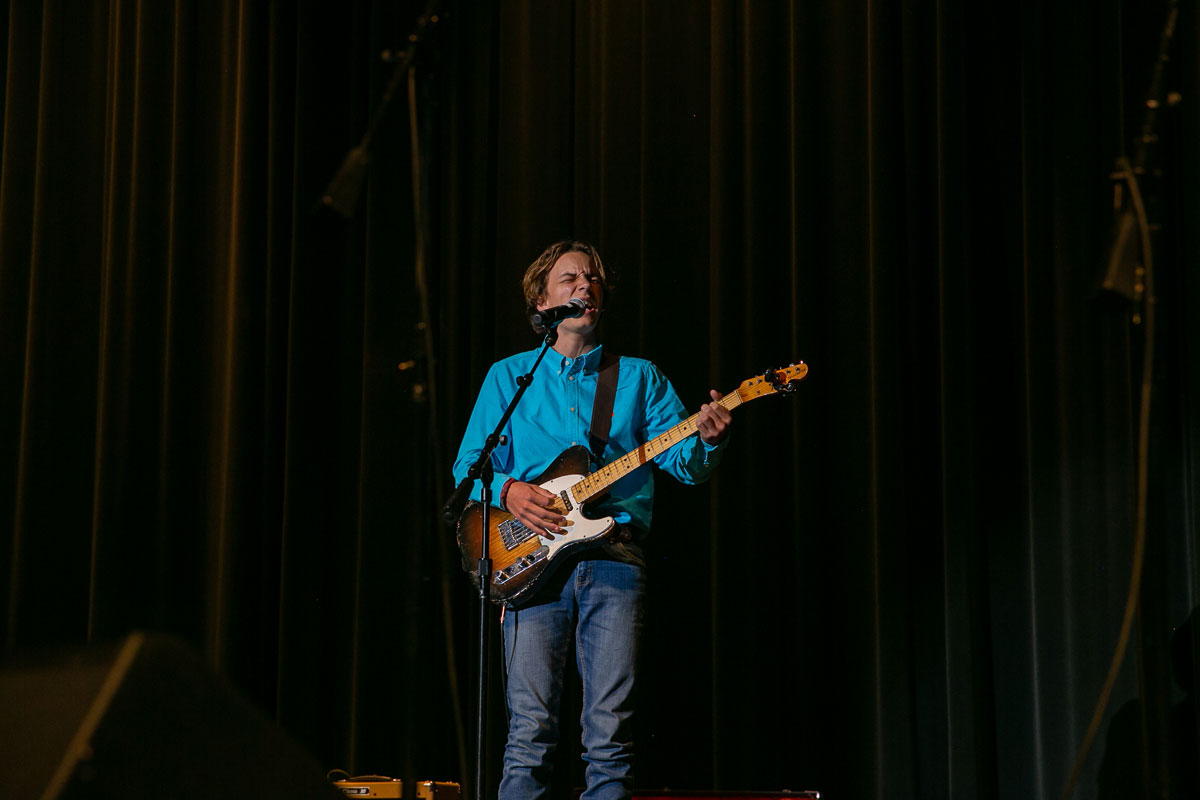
{"points": [[343, 190], [482, 470]]}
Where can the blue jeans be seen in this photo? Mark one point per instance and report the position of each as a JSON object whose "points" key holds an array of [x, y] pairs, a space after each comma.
{"points": [[599, 604]]}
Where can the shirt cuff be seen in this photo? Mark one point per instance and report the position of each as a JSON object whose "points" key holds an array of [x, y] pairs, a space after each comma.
{"points": [[498, 481], [712, 452]]}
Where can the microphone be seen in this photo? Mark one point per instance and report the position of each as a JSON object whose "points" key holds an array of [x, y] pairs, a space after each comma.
{"points": [[552, 316]]}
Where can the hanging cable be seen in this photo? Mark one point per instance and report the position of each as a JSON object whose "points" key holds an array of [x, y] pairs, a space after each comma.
{"points": [[1131, 244], [1142, 488]]}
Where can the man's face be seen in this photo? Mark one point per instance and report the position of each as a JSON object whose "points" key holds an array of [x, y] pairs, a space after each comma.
{"points": [[574, 276]]}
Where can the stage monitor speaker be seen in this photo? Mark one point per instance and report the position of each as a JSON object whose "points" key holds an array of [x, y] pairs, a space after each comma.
{"points": [[141, 718]]}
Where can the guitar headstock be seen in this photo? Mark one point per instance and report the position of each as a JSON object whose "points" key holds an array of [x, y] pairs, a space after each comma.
{"points": [[773, 381]]}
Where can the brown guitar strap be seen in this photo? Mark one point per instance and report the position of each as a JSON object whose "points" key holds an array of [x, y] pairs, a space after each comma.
{"points": [[602, 408]]}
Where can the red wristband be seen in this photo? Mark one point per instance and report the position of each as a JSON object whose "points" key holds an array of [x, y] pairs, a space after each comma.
{"points": [[504, 493]]}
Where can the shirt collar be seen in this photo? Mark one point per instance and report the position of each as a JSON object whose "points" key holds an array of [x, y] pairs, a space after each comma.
{"points": [[589, 362]]}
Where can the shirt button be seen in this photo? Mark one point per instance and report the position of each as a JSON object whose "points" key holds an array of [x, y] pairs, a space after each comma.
{"points": [[572, 408], [570, 377]]}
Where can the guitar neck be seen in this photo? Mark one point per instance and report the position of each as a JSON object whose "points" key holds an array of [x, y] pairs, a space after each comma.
{"points": [[598, 482]]}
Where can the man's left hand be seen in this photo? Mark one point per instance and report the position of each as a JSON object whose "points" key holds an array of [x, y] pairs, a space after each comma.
{"points": [[713, 420]]}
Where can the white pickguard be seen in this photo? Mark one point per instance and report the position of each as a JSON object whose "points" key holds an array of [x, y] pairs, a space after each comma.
{"points": [[578, 528]]}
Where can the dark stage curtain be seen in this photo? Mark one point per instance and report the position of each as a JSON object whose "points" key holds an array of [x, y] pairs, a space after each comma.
{"points": [[227, 411]]}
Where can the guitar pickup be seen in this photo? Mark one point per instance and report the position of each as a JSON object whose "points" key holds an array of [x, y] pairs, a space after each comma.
{"points": [[513, 532]]}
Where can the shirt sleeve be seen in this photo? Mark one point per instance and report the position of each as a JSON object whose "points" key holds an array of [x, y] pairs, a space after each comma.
{"points": [[489, 405], [692, 461]]}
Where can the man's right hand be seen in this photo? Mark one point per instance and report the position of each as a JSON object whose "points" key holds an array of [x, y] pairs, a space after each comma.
{"points": [[533, 506]]}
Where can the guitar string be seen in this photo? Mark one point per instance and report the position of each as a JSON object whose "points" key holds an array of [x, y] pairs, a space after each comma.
{"points": [[596, 482]]}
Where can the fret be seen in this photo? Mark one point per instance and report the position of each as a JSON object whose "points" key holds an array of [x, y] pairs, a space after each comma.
{"points": [[598, 482]]}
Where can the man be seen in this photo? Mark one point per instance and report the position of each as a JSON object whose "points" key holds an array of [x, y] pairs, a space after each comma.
{"points": [[594, 598]]}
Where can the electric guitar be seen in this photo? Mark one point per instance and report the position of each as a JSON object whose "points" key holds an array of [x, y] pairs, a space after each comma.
{"points": [[522, 557]]}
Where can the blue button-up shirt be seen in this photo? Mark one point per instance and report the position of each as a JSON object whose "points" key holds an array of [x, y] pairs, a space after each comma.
{"points": [[556, 413]]}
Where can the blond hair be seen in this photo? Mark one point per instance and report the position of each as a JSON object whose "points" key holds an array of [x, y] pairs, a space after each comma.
{"points": [[534, 282]]}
